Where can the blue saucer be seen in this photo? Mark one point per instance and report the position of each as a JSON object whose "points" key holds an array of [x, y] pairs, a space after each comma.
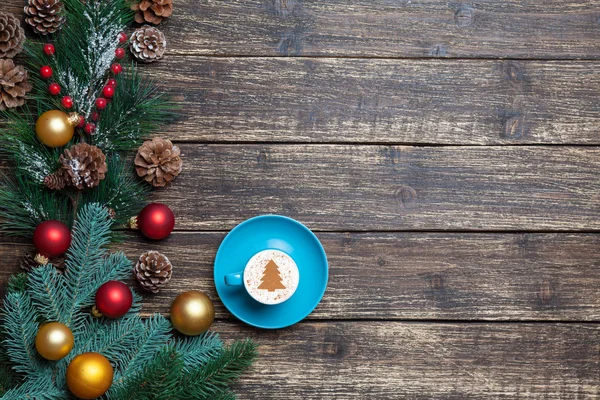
{"points": [[279, 233]]}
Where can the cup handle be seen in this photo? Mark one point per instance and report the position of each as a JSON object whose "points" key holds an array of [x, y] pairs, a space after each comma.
{"points": [[234, 279]]}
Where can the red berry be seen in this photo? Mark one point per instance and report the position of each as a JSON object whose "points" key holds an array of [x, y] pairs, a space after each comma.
{"points": [[116, 68], [49, 49], [89, 128], [81, 123], [54, 89], [119, 53], [111, 82], [46, 72], [108, 91], [95, 116], [67, 102], [100, 103], [122, 37]]}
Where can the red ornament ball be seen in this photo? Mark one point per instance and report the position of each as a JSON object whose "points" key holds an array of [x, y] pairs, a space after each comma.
{"points": [[67, 102], [156, 221], [81, 123], [52, 238], [116, 68], [111, 82], [95, 116], [122, 38], [108, 91], [114, 299], [46, 72], [54, 89], [49, 49], [119, 53], [89, 128], [100, 103]]}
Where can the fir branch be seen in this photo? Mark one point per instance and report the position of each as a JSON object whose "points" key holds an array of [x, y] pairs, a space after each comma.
{"points": [[17, 283], [20, 327], [91, 233], [198, 350], [47, 291], [214, 377], [41, 388], [8, 377]]}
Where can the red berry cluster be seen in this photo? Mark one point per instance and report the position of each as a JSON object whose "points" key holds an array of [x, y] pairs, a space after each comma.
{"points": [[108, 91]]}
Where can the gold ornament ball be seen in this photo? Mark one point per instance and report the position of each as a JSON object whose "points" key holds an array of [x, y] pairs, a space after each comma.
{"points": [[192, 313], [54, 341], [54, 128], [89, 375]]}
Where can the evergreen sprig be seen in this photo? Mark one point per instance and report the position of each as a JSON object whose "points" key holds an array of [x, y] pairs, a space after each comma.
{"points": [[149, 362]]}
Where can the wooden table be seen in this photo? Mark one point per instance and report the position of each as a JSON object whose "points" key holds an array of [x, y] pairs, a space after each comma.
{"points": [[445, 153]]}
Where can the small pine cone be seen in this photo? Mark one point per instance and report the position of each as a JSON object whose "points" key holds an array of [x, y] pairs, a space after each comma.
{"points": [[148, 44], [45, 16], [13, 84], [28, 262], [12, 35], [152, 11], [158, 162], [55, 181], [153, 271], [84, 166]]}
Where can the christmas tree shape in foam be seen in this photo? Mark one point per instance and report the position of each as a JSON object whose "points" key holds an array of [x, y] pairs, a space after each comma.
{"points": [[271, 279]]}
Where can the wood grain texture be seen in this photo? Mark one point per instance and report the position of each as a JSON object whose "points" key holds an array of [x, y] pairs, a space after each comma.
{"points": [[411, 275], [383, 101], [383, 28], [390, 360], [373, 188]]}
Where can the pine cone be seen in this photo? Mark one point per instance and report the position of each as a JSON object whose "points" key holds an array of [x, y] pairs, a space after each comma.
{"points": [[148, 44], [45, 16], [153, 271], [152, 11], [55, 181], [28, 262], [158, 162], [83, 166], [13, 84], [12, 36]]}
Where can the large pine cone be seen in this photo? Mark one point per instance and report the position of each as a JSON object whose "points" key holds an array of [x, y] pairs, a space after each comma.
{"points": [[148, 44], [13, 84], [12, 36], [158, 161], [82, 166], [45, 16], [153, 271], [152, 11]]}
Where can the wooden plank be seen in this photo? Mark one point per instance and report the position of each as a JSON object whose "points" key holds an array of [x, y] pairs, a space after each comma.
{"points": [[383, 28], [411, 275], [385, 360], [383, 101], [373, 188]]}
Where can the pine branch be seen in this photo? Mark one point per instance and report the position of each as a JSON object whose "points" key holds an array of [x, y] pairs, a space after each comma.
{"points": [[8, 378], [214, 377], [20, 327], [48, 295], [198, 350], [17, 283], [41, 388]]}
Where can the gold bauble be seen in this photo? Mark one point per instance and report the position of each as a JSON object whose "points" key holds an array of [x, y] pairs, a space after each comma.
{"points": [[192, 313], [54, 128], [54, 341], [89, 375]]}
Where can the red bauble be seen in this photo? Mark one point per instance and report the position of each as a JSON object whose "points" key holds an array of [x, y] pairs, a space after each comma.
{"points": [[100, 103], [114, 299], [81, 123], [54, 89], [119, 53], [49, 49], [116, 68], [111, 82], [156, 221], [122, 38], [108, 91], [46, 72], [95, 116], [67, 102], [52, 238], [89, 128]]}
